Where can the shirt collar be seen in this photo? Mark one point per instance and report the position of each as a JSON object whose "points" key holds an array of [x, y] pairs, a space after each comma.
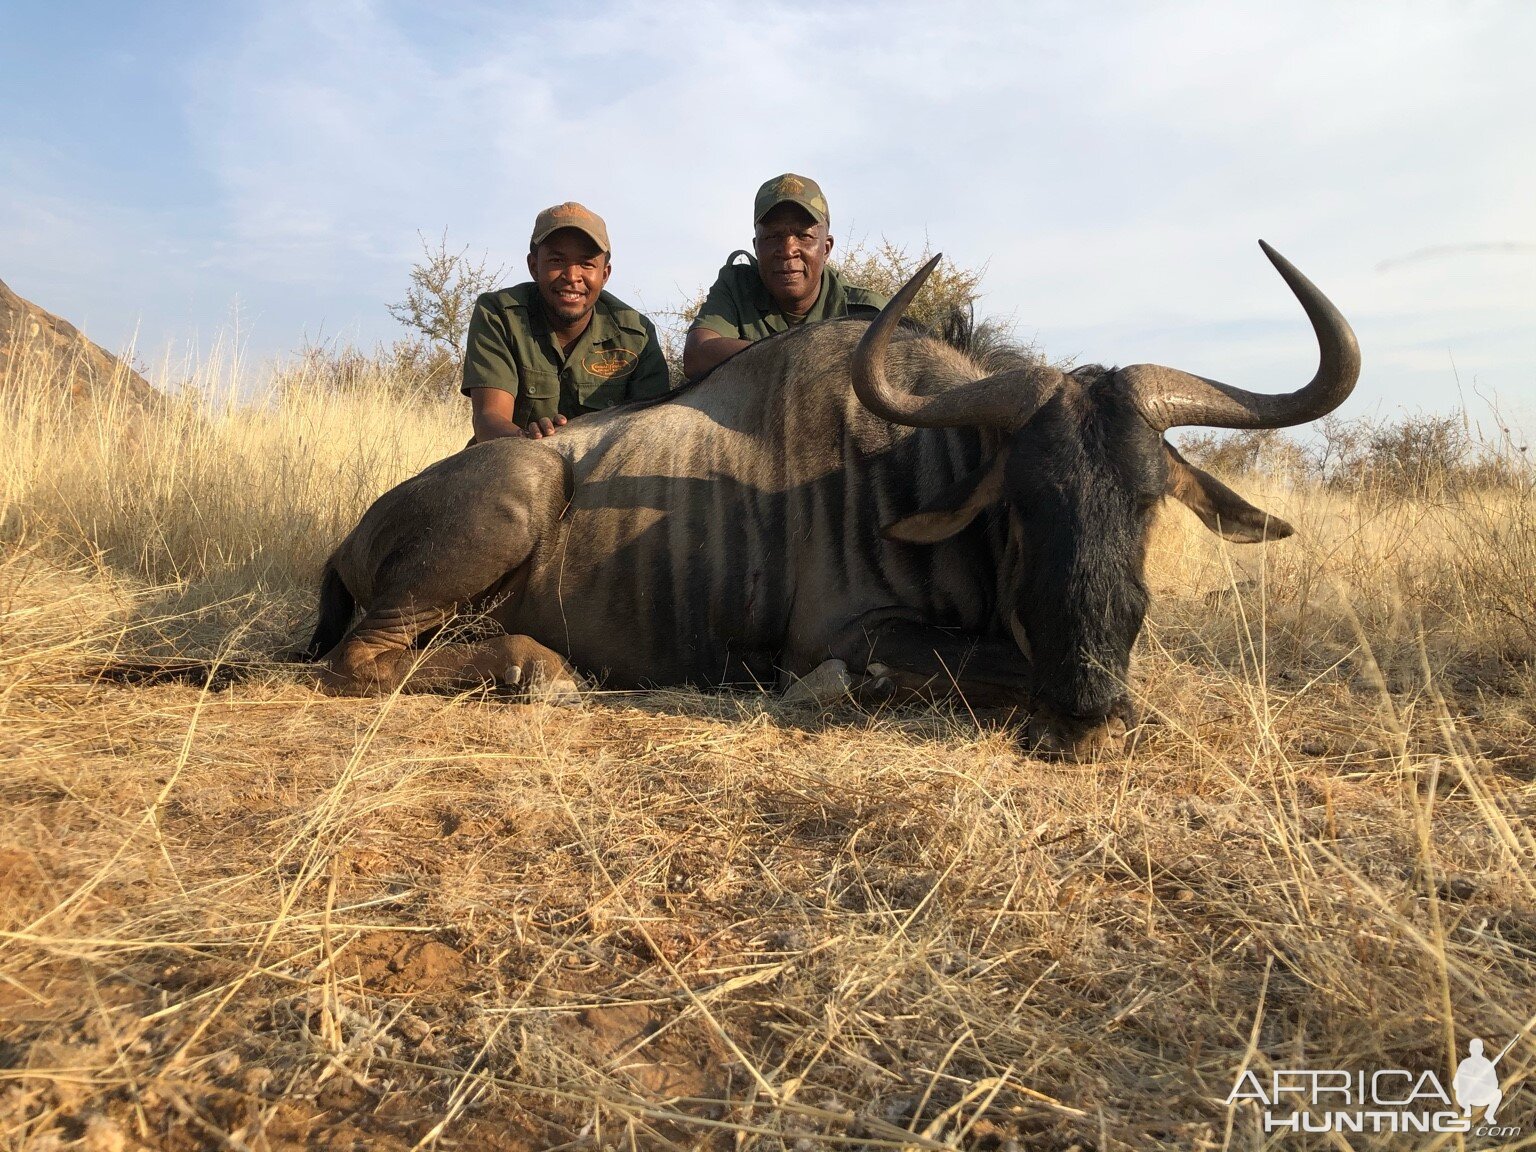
{"points": [[598, 328], [828, 297]]}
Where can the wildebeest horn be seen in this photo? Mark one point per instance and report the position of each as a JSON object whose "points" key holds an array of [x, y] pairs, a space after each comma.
{"points": [[1006, 400], [1168, 398]]}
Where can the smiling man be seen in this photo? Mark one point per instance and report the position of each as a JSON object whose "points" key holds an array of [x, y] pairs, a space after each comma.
{"points": [[543, 352], [789, 283]]}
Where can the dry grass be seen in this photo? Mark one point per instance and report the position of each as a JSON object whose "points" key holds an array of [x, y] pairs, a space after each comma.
{"points": [[262, 919]]}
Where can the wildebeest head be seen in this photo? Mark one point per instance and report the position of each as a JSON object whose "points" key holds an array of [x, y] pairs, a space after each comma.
{"points": [[1082, 468]]}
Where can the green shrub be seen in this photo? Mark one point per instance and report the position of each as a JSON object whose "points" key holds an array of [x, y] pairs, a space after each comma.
{"points": [[1423, 456], [886, 266]]}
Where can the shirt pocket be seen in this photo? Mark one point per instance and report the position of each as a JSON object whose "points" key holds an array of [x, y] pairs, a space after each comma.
{"points": [[538, 394], [597, 393], [539, 382], [604, 373]]}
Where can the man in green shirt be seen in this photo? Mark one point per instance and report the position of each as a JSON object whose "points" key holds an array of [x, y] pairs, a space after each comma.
{"points": [[788, 284], [543, 352]]}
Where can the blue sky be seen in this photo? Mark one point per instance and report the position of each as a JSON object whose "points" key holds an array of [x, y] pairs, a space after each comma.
{"points": [[178, 171]]}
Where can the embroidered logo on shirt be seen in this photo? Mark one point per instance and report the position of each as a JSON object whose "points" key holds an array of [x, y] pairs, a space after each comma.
{"points": [[610, 362]]}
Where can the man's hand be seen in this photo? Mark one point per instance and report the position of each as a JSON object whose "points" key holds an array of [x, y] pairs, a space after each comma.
{"points": [[538, 429], [491, 410], [704, 349]]}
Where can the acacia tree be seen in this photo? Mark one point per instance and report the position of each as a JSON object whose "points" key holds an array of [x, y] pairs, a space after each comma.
{"points": [[437, 306], [886, 266]]}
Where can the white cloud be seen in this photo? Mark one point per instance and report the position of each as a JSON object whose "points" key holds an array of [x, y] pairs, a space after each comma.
{"points": [[1113, 164]]}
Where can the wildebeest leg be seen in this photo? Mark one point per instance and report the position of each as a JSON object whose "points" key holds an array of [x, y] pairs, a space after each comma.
{"points": [[922, 660], [377, 657], [507, 661], [457, 540]]}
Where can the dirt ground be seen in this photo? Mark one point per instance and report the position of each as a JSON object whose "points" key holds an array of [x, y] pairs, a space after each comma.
{"points": [[244, 915], [261, 918]]}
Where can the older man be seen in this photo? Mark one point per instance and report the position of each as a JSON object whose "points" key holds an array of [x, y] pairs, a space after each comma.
{"points": [[789, 283], [558, 346]]}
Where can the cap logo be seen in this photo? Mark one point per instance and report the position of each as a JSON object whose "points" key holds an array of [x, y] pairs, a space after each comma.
{"points": [[791, 186], [610, 362]]}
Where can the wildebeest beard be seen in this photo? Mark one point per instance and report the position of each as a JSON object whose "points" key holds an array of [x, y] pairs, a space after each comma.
{"points": [[1083, 478]]}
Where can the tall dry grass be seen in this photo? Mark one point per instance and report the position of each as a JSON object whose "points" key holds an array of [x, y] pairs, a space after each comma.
{"points": [[231, 494], [262, 918]]}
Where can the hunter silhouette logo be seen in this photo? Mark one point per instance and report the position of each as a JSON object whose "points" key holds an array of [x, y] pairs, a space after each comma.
{"points": [[1381, 1100], [610, 362], [1477, 1081]]}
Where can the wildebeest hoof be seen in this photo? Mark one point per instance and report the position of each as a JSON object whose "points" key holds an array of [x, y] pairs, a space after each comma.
{"points": [[878, 685], [827, 683]]}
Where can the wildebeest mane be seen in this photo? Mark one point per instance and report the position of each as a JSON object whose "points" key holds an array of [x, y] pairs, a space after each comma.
{"points": [[988, 342]]}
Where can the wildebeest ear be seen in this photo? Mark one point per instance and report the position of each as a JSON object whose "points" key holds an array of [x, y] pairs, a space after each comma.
{"points": [[954, 508], [1222, 510]]}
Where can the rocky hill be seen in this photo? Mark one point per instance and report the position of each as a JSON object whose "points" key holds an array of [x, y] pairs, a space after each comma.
{"points": [[40, 350]]}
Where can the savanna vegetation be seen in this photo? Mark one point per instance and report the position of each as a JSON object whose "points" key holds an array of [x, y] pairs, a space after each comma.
{"points": [[249, 916]]}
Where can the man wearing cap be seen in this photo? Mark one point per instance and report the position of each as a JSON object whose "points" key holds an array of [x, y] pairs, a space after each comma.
{"points": [[543, 352], [789, 283]]}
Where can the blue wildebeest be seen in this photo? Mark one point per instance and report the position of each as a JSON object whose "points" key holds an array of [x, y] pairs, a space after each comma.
{"points": [[847, 492]]}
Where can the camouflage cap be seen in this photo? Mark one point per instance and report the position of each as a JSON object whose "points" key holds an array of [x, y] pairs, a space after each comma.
{"points": [[570, 215], [791, 189]]}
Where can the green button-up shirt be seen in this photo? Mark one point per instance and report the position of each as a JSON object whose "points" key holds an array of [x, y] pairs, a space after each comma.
{"points": [[740, 306], [511, 347]]}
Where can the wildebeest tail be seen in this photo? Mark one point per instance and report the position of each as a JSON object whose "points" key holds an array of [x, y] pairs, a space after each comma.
{"points": [[337, 606], [215, 675]]}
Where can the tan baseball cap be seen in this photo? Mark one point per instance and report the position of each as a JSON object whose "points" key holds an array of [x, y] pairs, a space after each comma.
{"points": [[791, 189], [570, 215]]}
